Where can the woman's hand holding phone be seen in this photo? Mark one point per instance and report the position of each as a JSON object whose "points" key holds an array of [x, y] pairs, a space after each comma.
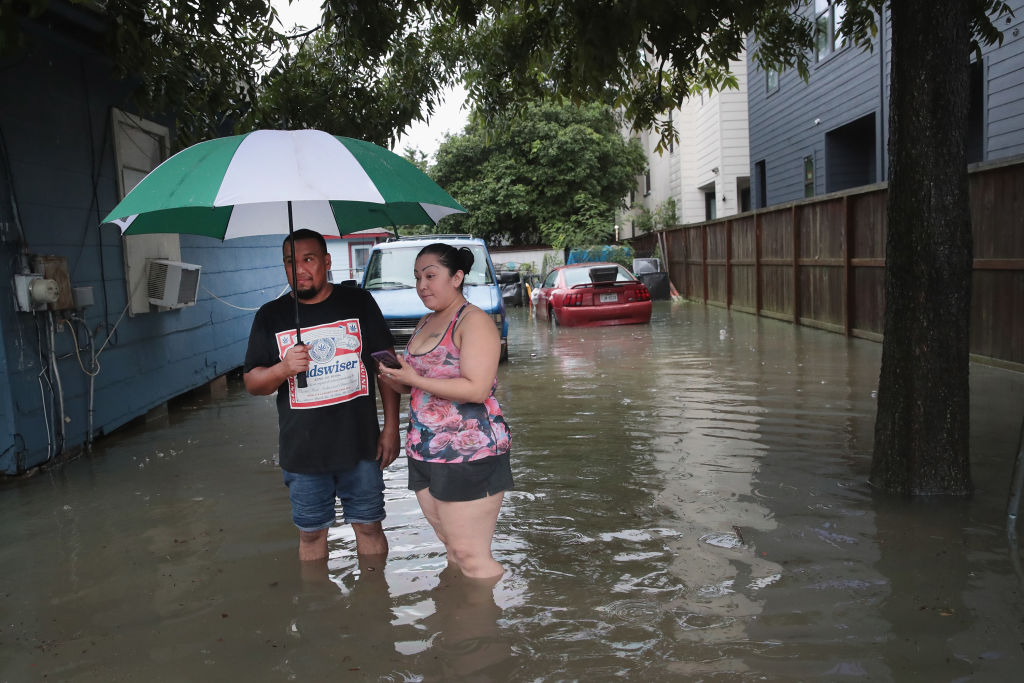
{"points": [[387, 359], [391, 370]]}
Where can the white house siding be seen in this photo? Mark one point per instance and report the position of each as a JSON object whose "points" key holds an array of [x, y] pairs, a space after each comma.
{"points": [[712, 135], [661, 166], [707, 146], [689, 202], [735, 146]]}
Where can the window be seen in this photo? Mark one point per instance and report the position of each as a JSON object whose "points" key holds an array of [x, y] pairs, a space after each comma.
{"points": [[139, 147], [771, 81], [828, 15], [743, 193], [647, 182], [808, 176], [360, 255]]}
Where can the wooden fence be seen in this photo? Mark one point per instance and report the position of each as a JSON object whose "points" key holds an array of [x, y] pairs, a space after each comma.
{"points": [[820, 262]]}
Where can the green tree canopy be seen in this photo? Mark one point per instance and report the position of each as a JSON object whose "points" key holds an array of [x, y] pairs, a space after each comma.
{"points": [[373, 67], [553, 175]]}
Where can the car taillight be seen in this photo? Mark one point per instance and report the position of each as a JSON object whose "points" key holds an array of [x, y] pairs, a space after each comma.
{"points": [[574, 299], [642, 293]]}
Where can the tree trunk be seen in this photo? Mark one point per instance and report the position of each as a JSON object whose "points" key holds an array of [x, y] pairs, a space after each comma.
{"points": [[922, 427]]}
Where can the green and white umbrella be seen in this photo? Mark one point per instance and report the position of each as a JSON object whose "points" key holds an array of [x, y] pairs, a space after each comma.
{"points": [[273, 181], [246, 185]]}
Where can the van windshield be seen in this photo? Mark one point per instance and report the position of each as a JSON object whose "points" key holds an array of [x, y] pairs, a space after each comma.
{"points": [[391, 268]]}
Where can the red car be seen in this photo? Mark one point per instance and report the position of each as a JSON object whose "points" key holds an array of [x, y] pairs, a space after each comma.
{"points": [[589, 294]]}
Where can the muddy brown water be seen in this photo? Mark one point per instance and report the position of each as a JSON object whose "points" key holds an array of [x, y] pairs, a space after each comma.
{"points": [[691, 505]]}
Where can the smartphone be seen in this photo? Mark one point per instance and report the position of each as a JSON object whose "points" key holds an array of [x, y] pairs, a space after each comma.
{"points": [[387, 359]]}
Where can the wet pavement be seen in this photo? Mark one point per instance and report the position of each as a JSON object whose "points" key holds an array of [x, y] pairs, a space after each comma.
{"points": [[692, 504]]}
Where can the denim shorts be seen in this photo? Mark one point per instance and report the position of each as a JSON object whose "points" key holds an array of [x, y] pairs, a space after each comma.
{"points": [[360, 490]]}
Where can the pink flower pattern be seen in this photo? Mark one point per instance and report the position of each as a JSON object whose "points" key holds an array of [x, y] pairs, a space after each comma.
{"points": [[447, 431]]}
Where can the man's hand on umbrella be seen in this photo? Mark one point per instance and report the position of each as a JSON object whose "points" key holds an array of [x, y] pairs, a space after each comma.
{"points": [[296, 360]]}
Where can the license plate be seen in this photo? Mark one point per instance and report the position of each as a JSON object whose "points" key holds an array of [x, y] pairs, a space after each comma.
{"points": [[609, 298]]}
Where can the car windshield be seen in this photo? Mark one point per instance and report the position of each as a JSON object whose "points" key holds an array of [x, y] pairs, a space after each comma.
{"points": [[581, 276], [391, 268]]}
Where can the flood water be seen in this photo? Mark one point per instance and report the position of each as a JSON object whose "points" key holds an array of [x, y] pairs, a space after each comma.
{"points": [[691, 504]]}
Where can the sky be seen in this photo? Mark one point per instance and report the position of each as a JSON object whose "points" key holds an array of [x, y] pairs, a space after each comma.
{"points": [[426, 137]]}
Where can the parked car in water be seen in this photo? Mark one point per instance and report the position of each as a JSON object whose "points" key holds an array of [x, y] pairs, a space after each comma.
{"points": [[389, 278], [590, 294], [513, 288]]}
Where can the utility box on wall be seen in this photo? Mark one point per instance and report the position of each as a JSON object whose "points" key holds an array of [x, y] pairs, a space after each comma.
{"points": [[56, 268]]}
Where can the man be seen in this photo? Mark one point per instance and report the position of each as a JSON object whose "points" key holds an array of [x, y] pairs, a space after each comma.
{"points": [[331, 445]]}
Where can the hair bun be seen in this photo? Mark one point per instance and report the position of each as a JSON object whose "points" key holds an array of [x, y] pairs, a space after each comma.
{"points": [[466, 259]]}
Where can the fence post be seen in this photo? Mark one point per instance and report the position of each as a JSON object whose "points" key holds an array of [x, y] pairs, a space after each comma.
{"points": [[728, 263], [704, 258], [757, 263], [795, 218], [847, 271]]}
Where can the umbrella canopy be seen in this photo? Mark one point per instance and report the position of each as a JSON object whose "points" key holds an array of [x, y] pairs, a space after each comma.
{"points": [[268, 181], [245, 185]]}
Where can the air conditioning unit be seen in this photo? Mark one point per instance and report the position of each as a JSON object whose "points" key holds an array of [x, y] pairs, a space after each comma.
{"points": [[172, 284]]}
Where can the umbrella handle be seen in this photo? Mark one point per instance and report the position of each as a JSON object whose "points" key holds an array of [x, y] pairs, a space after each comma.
{"points": [[300, 379]]}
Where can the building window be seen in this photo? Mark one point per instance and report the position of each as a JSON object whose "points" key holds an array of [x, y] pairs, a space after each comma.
{"points": [[140, 146], [808, 176], [771, 81], [360, 255], [827, 17], [647, 182], [743, 193]]}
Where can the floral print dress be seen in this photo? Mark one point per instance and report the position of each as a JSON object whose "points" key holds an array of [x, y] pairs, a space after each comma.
{"points": [[446, 431]]}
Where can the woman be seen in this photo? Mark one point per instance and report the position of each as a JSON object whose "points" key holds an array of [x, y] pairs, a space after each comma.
{"points": [[457, 442]]}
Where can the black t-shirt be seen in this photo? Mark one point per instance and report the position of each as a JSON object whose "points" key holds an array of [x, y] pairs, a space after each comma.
{"points": [[331, 424]]}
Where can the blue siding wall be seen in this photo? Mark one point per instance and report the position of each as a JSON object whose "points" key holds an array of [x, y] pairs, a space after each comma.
{"points": [[1004, 95], [791, 123], [57, 132]]}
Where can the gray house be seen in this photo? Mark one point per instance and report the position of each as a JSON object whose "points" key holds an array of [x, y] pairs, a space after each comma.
{"points": [[831, 133], [132, 322]]}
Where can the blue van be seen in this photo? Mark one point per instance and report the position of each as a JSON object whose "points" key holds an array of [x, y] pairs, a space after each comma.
{"points": [[388, 277]]}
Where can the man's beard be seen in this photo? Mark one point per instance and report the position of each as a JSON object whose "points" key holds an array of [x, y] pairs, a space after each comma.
{"points": [[307, 293]]}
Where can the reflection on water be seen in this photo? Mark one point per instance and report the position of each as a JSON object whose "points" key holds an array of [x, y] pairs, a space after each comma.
{"points": [[691, 504]]}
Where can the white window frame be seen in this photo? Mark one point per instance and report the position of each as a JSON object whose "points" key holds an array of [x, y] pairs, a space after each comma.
{"points": [[139, 147]]}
